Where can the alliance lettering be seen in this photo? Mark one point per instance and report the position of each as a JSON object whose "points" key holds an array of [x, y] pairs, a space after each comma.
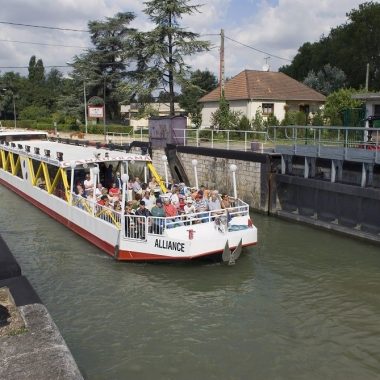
{"points": [[172, 245]]}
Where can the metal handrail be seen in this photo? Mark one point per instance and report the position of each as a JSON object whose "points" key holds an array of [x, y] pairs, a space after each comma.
{"points": [[220, 138]]}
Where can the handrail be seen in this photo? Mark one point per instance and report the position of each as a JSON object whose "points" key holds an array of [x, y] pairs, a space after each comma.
{"points": [[219, 138]]}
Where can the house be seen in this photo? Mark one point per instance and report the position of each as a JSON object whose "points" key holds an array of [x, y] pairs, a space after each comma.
{"points": [[372, 102], [130, 112], [267, 91]]}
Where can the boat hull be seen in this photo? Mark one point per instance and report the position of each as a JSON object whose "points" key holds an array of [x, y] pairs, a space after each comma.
{"points": [[155, 248]]}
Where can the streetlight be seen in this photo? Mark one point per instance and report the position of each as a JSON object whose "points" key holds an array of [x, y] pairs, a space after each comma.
{"points": [[72, 166], [84, 99], [14, 105], [165, 159], [95, 172], [124, 178], [195, 163], [233, 169]]}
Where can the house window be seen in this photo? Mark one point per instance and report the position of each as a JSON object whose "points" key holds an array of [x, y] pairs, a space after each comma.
{"points": [[376, 109], [268, 108]]}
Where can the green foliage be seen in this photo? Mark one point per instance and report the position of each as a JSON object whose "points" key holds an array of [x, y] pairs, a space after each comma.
{"points": [[244, 124], [348, 47], [162, 50], [198, 85], [326, 80], [294, 118], [258, 120], [34, 112], [317, 119], [223, 117], [336, 103], [271, 121]]}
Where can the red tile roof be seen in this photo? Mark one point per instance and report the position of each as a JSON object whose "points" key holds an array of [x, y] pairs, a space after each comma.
{"points": [[264, 85]]}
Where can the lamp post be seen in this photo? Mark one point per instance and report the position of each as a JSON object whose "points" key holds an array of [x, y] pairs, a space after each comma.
{"points": [[14, 106], [195, 163], [72, 166], [124, 178], [233, 169], [165, 159], [95, 172]]}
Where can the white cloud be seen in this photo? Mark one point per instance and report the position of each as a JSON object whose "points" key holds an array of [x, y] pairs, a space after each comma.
{"points": [[279, 29]]}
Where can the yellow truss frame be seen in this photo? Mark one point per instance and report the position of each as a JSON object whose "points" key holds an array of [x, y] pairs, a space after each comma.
{"points": [[158, 178]]}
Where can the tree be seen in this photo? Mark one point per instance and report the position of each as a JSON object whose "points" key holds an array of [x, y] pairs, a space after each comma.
{"points": [[103, 67], [167, 44], [326, 80], [337, 102], [223, 117], [348, 47], [199, 84]]}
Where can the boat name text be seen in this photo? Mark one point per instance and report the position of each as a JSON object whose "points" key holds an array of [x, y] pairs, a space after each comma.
{"points": [[173, 245]]}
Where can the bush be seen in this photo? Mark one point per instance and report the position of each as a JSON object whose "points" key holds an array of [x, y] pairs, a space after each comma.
{"points": [[34, 112], [244, 124]]}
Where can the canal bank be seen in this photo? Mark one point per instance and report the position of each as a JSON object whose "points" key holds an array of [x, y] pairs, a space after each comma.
{"points": [[31, 346]]}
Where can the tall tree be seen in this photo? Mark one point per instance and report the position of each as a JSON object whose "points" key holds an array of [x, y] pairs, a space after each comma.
{"points": [[326, 80], [103, 67], [168, 43], [349, 47], [199, 84]]}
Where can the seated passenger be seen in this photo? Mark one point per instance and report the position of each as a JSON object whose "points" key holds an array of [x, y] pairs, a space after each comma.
{"points": [[202, 207], [141, 222], [158, 212], [214, 202], [189, 208], [225, 203], [172, 213]]}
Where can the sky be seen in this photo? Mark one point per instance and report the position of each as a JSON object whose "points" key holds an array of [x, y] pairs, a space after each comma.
{"points": [[276, 27]]}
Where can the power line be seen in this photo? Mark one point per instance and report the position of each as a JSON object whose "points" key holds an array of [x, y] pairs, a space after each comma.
{"points": [[27, 67], [44, 44], [258, 50], [44, 27]]}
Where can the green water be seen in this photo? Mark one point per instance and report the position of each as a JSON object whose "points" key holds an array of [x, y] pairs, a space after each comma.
{"points": [[303, 304]]}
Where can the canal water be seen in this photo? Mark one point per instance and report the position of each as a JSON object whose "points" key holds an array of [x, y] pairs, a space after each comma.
{"points": [[303, 304]]}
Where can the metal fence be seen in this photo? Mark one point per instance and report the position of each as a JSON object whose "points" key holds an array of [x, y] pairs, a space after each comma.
{"points": [[220, 138], [122, 138]]}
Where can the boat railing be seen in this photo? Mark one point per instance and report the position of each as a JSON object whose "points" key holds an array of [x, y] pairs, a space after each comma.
{"points": [[92, 208], [137, 227]]}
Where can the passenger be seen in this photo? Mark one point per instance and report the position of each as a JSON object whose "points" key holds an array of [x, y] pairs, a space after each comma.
{"points": [[88, 183], [225, 203], [174, 199], [141, 222], [189, 209], [130, 226], [41, 183], [114, 192], [104, 201], [148, 202], [201, 207], [136, 186], [214, 202], [117, 180], [98, 190], [158, 212], [117, 206], [171, 212], [153, 184]]}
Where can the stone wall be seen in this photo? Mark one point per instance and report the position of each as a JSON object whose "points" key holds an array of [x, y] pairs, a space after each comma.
{"points": [[214, 173]]}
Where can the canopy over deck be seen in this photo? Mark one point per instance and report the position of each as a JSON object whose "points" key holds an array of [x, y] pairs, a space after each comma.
{"points": [[62, 154]]}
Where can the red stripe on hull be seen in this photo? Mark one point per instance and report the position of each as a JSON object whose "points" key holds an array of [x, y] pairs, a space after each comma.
{"points": [[93, 239]]}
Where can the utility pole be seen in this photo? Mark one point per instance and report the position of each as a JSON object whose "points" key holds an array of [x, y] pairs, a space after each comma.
{"points": [[221, 65], [367, 78]]}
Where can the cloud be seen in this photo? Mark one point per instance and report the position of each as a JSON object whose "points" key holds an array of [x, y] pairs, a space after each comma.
{"points": [[279, 27]]}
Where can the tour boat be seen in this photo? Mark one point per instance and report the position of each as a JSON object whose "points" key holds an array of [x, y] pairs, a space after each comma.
{"points": [[44, 170]]}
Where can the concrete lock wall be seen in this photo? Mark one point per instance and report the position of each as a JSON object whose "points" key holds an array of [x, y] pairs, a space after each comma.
{"points": [[214, 172]]}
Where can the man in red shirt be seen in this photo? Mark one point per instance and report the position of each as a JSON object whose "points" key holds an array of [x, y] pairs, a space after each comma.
{"points": [[171, 212]]}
